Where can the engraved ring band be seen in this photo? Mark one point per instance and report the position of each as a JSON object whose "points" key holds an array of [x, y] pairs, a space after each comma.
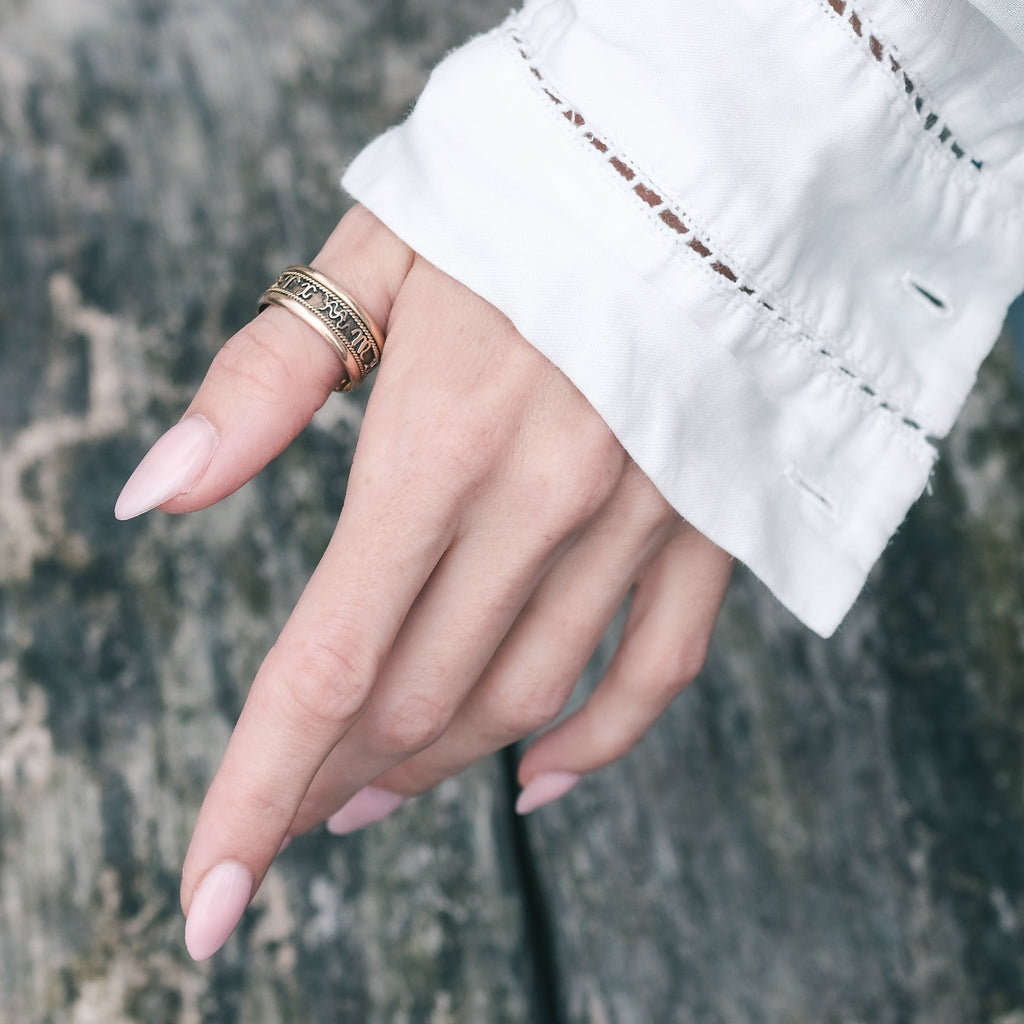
{"points": [[317, 301]]}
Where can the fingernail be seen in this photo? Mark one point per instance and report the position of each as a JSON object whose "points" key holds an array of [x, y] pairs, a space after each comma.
{"points": [[171, 467], [544, 789], [370, 804], [216, 909]]}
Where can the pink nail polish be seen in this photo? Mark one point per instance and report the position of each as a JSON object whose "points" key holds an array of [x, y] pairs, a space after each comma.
{"points": [[544, 789], [171, 467], [370, 804], [216, 909]]}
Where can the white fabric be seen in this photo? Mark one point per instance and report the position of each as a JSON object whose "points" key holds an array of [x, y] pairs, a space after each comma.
{"points": [[836, 163], [1008, 15]]}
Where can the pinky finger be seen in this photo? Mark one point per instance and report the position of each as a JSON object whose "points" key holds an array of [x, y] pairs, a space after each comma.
{"points": [[663, 646]]}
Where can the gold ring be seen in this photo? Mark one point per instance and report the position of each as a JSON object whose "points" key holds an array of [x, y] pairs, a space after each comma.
{"points": [[317, 301]]}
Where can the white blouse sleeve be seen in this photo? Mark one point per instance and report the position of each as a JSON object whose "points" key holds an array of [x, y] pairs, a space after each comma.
{"points": [[770, 240]]}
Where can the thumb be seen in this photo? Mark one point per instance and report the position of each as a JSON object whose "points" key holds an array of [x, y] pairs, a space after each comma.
{"points": [[267, 381]]}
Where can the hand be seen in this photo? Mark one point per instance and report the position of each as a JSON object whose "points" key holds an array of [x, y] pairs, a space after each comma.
{"points": [[491, 529]]}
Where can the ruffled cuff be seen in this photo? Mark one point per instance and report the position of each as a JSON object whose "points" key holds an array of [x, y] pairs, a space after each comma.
{"points": [[769, 268]]}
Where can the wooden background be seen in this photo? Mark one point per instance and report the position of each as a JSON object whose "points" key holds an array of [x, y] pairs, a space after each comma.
{"points": [[816, 832]]}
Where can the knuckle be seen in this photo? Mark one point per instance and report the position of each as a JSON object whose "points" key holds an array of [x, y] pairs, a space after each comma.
{"points": [[466, 446], [515, 712], [405, 727], [257, 366], [569, 493], [530, 711], [327, 683], [674, 674]]}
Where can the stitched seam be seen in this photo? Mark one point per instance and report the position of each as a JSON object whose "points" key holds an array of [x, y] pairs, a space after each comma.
{"points": [[904, 431], [1002, 200], [721, 273], [888, 57]]}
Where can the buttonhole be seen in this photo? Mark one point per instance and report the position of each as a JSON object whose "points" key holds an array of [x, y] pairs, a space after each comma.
{"points": [[821, 500], [929, 296]]}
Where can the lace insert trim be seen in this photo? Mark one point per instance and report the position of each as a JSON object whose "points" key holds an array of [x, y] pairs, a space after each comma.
{"points": [[885, 55], [648, 194]]}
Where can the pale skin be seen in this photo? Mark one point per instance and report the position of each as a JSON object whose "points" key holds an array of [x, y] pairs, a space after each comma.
{"points": [[491, 529]]}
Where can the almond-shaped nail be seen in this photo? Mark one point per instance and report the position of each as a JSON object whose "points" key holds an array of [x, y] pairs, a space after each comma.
{"points": [[370, 804], [171, 467], [217, 907], [544, 789]]}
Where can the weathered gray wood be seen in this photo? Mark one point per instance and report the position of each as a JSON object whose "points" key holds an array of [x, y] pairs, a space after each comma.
{"points": [[159, 163], [816, 832]]}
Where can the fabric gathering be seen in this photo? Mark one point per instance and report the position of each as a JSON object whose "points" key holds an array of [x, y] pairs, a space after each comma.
{"points": [[771, 242]]}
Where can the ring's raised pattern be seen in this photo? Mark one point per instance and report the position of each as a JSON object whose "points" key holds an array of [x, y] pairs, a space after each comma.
{"points": [[333, 314]]}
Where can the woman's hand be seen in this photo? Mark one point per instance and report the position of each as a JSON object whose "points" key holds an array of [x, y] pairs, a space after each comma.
{"points": [[491, 529]]}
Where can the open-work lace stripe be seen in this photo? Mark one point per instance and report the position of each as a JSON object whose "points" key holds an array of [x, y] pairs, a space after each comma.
{"points": [[885, 54], [652, 199]]}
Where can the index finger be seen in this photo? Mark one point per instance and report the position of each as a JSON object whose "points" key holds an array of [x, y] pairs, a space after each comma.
{"points": [[265, 383], [406, 493], [307, 694]]}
